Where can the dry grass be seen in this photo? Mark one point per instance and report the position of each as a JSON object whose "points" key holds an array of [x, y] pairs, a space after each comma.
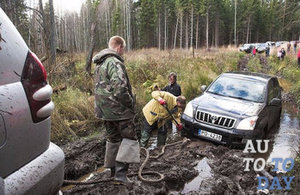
{"points": [[74, 113]]}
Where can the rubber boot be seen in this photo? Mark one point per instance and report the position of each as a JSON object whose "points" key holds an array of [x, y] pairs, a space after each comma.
{"points": [[121, 173], [112, 171], [161, 136], [110, 156], [145, 138]]}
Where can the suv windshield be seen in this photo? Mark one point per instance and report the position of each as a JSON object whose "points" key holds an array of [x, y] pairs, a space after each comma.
{"points": [[238, 88]]}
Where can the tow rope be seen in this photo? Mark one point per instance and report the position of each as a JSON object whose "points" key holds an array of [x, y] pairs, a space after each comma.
{"points": [[140, 173]]}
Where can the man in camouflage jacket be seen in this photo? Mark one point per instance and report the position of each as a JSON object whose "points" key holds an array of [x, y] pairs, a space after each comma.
{"points": [[114, 103]]}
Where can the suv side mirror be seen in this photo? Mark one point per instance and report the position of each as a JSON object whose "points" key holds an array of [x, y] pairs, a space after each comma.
{"points": [[275, 102], [203, 88]]}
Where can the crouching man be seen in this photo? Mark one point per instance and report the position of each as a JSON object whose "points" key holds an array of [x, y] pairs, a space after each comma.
{"points": [[156, 115], [114, 103]]}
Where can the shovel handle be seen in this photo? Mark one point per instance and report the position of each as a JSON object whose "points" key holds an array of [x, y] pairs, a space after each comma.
{"points": [[166, 107]]}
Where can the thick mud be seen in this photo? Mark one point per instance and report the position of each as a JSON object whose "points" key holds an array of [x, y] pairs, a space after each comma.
{"points": [[177, 164], [196, 167]]}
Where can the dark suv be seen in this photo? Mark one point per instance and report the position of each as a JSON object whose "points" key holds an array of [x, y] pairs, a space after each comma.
{"points": [[29, 162], [237, 106]]}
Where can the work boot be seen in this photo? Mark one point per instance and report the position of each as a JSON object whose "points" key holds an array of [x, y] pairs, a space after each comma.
{"points": [[121, 173]]}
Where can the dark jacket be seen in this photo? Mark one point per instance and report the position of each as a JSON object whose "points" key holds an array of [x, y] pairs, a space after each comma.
{"points": [[174, 89]]}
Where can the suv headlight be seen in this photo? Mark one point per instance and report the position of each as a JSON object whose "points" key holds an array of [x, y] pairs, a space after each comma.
{"points": [[189, 110], [248, 123]]}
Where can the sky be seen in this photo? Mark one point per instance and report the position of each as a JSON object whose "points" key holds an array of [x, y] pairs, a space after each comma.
{"points": [[63, 5], [68, 5]]}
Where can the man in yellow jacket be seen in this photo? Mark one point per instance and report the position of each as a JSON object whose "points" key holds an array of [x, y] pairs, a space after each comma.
{"points": [[156, 115]]}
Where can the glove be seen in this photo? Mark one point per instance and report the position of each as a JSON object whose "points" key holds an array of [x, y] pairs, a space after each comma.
{"points": [[162, 102], [179, 127]]}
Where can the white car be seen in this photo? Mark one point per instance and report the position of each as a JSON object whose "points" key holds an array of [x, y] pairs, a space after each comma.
{"points": [[29, 162]]}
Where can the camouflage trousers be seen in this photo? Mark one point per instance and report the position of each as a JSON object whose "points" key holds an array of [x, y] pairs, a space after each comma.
{"points": [[117, 130], [147, 131]]}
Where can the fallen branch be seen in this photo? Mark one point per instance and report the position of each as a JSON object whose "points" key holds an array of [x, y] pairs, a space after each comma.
{"points": [[43, 59]]}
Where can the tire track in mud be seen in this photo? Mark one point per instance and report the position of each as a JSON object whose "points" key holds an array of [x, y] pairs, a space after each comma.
{"points": [[243, 63]]}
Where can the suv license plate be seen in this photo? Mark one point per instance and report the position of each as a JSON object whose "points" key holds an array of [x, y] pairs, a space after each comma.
{"points": [[210, 135]]}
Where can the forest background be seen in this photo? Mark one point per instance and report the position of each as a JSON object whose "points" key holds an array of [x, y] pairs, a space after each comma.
{"points": [[163, 24]]}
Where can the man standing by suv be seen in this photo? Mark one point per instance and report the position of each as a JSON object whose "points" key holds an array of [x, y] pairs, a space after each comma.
{"points": [[114, 103], [173, 87]]}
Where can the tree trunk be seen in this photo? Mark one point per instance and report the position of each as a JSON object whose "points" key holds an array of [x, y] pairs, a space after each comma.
{"points": [[217, 22], [207, 23], [128, 25], [159, 32], [197, 31], [107, 27], [248, 29], [175, 36], [186, 32], [44, 33], [89, 57], [165, 41], [124, 20], [181, 33], [192, 26]]}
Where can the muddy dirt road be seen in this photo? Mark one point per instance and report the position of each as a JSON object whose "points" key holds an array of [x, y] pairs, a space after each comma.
{"points": [[196, 167]]}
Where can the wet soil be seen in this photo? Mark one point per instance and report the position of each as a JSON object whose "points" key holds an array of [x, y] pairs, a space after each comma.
{"points": [[83, 156], [177, 165]]}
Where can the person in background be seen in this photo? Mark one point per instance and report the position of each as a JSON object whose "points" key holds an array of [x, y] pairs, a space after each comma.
{"points": [[282, 53], [156, 114], [289, 47], [173, 87], [299, 58], [254, 51], [268, 51], [115, 105], [295, 46], [279, 54]]}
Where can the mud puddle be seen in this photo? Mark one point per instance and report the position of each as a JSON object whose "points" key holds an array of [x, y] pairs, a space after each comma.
{"points": [[204, 171], [285, 140]]}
